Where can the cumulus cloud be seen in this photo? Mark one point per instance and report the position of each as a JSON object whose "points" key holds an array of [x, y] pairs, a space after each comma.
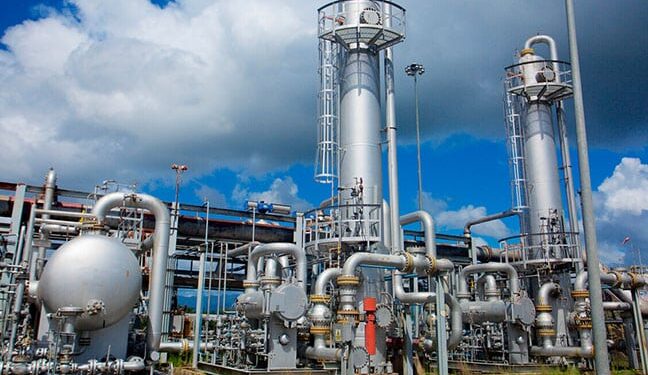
{"points": [[120, 89], [456, 219], [282, 190], [123, 88], [621, 203]]}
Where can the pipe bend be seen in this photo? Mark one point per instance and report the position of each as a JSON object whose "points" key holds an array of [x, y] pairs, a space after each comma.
{"points": [[489, 267], [372, 259], [278, 248], [428, 229], [543, 39], [546, 291], [160, 251], [323, 279]]}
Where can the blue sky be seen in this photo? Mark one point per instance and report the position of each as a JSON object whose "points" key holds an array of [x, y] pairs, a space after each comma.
{"points": [[122, 89]]}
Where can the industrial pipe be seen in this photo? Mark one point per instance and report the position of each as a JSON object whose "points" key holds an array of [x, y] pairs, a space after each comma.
{"points": [[183, 346], [323, 279], [553, 51], [456, 318], [544, 319], [616, 279], [50, 187], [160, 251], [486, 219], [512, 274], [320, 351], [278, 248], [488, 285], [427, 222], [243, 249]]}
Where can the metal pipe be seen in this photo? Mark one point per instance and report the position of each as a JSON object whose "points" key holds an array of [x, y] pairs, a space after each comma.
{"points": [[183, 346], [323, 279], [159, 256], [544, 320], [372, 259], [622, 280], [320, 351], [456, 322], [602, 363], [640, 331], [486, 219], [482, 311], [568, 177], [199, 293], [427, 222], [562, 351], [512, 274], [617, 306], [48, 229], [278, 248], [553, 51], [392, 151], [488, 284], [50, 187], [243, 249], [456, 318]]}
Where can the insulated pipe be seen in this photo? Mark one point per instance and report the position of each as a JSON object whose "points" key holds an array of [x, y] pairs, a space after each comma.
{"points": [[544, 319], [160, 251], [183, 346], [243, 249], [372, 259], [562, 351], [483, 311], [50, 187], [486, 219], [621, 294], [512, 274], [488, 284], [277, 248], [147, 244], [323, 279], [428, 228], [48, 229], [456, 318], [553, 51], [392, 150], [623, 280], [617, 306], [320, 351], [387, 232]]}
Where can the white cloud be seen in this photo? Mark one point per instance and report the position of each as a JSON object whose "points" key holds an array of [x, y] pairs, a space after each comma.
{"points": [[621, 203], [626, 191], [284, 191], [120, 89], [456, 219]]}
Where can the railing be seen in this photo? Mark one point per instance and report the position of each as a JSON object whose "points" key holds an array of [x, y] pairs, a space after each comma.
{"points": [[540, 249], [328, 121], [376, 24], [343, 223], [552, 80], [515, 143]]}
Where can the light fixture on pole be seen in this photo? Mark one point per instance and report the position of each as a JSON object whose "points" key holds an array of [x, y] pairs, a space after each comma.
{"points": [[415, 70]]}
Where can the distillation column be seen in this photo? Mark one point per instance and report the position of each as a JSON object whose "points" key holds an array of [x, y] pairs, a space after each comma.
{"points": [[536, 83]]}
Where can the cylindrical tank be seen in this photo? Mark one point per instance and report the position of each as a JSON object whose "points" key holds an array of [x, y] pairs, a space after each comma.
{"points": [[360, 143], [98, 274], [541, 164]]}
